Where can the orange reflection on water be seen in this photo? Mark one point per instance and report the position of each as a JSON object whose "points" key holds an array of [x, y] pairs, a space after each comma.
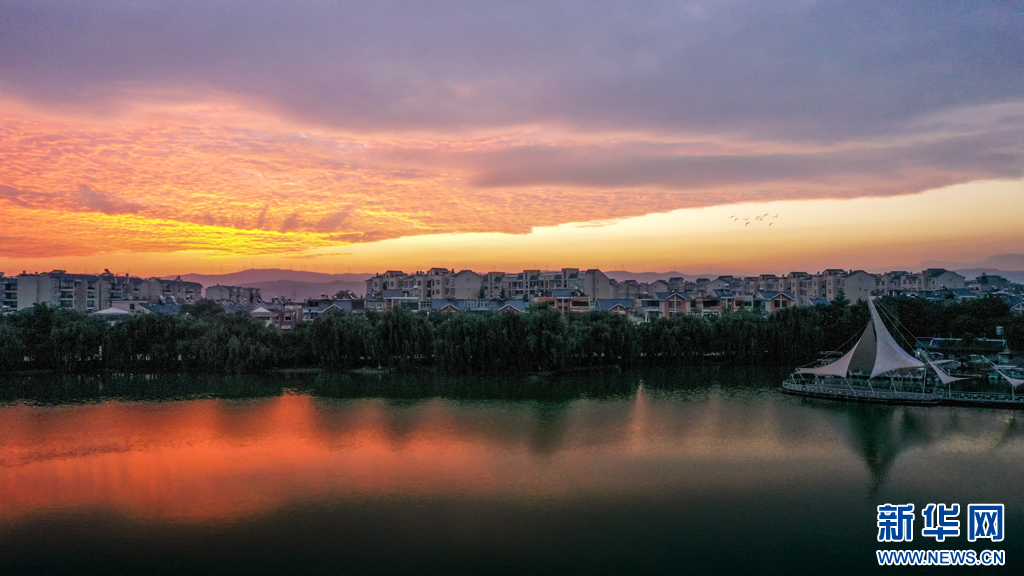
{"points": [[220, 460], [210, 459]]}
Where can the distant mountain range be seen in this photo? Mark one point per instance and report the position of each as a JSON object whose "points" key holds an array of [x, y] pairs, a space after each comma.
{"points": [[278, 283], [622, 275], [270, 275], [1012, 276], [295, 290], [969, 273], [1009, 266]]}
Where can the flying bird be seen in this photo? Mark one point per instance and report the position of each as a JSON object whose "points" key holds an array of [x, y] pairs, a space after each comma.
{"points": [[770, 223], [747, 224]]}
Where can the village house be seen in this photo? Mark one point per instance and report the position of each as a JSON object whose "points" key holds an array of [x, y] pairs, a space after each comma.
{"points": [[772, 302], [673, 303]]}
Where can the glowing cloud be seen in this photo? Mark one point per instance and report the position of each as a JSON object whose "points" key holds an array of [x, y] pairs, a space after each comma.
{"points": [[283, 131]]}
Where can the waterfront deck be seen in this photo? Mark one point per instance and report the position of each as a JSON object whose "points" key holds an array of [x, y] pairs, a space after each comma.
{"points": [[984, 398], [853, 392]]}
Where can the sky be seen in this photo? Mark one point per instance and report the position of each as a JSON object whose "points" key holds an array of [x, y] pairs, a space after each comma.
{"points": [[170, 137]]}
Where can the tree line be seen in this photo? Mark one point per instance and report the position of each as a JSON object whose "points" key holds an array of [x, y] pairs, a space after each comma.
{"points": [[205, 339]]}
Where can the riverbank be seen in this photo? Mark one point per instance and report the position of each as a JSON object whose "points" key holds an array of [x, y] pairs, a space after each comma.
{"points": [[89, 388], [204, 339]]}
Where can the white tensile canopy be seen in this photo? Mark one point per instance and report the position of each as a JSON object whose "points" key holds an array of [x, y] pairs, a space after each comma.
{"points": [[943, 376], [890, 356], [1013, 381], [876, 350], [842, 366]]}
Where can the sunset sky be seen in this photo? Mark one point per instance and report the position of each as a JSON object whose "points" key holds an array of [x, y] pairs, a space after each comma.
{"points": [[167, 137]]}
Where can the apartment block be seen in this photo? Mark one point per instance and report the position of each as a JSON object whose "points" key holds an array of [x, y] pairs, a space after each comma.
{"points": [[8, 293], [597, 285], [464, 285], [90, 293], [435, 283], [387, 281], [492, 285], [59, 289], [234, 294], [177, 290]]}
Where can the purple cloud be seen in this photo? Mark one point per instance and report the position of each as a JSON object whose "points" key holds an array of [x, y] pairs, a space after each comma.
{"points": [[784, 70]]}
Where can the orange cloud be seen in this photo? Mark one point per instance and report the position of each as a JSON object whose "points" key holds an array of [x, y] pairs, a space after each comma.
{"points": [[221, 179]]}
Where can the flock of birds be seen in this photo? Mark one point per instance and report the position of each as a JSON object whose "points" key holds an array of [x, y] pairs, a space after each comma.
{"points": [[762, 218]]}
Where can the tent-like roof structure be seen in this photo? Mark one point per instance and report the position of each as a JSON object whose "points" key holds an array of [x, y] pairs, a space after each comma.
{"points": [[876, 351]]}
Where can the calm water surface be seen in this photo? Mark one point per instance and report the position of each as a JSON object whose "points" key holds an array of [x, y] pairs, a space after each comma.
{"points": [[700, 472]]}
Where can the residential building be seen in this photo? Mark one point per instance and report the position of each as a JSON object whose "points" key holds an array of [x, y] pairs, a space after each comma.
{"points": [[957, 294], [894, 282], [540, 283], [400, 299], [648, 308], [178, 290], [513, 307], [988, 283], [413, 285], [436, 283], [597, 285], [8, 292], [313, 308], [859, 285], [567, 300], [234, 294], [770, 282], [628, 290], [381, 282], [720, 283], [463, 285], [936, 278], [59, 289], [492, 285], [654, 287], [145, 307], [614, 305], [678, 284], [114, 287], [801, 285], [279, 314], [445, 307], [712, 303], [1016, 305], [566, 288], [90, 293], [830, 283], [673, 303], [772, 302], [514, 285]]}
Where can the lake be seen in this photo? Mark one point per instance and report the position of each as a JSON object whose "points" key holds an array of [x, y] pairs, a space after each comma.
{"points": [[700, 471]]}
